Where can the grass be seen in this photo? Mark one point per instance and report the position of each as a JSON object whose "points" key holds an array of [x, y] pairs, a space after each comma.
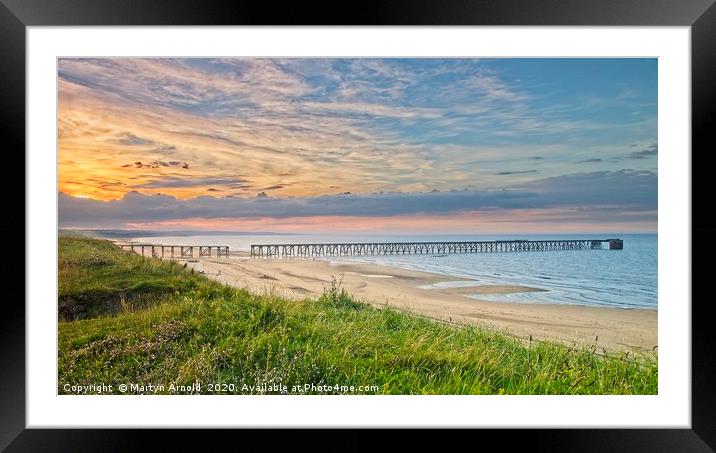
{"points": [[97, 278], [231, 341]]}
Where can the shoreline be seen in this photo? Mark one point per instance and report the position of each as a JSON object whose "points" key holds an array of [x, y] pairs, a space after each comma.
{"points": [[608, 328]]}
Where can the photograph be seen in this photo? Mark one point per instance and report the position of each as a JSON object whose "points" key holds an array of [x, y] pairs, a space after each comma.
{"points": [[357, 225], [448, 216]]}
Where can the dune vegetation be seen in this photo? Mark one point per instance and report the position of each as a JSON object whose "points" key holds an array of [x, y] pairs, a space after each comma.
{"points": [[158, 327]]}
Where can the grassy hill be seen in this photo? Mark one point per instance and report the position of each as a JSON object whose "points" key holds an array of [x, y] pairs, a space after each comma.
{"points": [[126, 319]]}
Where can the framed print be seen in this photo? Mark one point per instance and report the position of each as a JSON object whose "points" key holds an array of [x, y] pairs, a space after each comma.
{"points": [[444, 216]]}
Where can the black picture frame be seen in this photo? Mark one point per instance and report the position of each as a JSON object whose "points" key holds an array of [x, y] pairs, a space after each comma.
{"points": [[16, 15]]}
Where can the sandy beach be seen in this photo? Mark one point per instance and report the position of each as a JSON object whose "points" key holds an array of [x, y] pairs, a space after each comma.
{"points": [[611, 329]]}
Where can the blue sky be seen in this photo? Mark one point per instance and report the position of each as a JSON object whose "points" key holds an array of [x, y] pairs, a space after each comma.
{"points": [[295, 131]]}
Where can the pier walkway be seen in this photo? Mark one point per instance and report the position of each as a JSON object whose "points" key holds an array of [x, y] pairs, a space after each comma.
{"points": [[396, 248]]}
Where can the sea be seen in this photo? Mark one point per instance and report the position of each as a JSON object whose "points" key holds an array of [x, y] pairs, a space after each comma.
{"points": [[601, 278]]}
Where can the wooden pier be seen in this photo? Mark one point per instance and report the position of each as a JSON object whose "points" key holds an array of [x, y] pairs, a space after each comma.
{"points": [[407, 248], [178, 251]]}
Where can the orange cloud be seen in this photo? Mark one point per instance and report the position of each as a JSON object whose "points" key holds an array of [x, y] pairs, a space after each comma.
{"points": [[293, 148]]}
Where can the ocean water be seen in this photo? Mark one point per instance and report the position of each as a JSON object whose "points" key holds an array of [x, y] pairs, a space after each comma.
{"points": [[605, 278]]}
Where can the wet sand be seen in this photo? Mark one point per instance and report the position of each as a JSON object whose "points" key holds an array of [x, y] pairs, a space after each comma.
{"points": [[612, 329]]}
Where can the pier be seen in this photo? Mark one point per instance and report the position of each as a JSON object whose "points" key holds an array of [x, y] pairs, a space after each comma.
{"points": [[178, 251], [407, 248]]}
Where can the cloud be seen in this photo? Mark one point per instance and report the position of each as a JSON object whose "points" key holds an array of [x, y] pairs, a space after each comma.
{"points": [[650, 151], [164, 149], [603, 193], [129, 139], [155, 164], [177, 182], [636, 190], [521, 172], [263, 130], [361, 125], [132, 140]]}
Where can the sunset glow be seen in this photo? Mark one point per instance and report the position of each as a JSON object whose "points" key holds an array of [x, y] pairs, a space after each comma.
{"points": [[294, 145]]}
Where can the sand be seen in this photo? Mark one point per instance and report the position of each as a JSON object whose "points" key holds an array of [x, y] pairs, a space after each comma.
{"points": [[609, 329]]}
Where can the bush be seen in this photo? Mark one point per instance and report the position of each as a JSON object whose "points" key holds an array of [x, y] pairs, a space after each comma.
{"points": [[336, 296]]}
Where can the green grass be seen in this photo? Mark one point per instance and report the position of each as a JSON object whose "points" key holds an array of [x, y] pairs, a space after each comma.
{"points": [[197, 330], [99, 278]]}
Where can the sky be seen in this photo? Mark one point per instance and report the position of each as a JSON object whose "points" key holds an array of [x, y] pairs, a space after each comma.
{"points": [[368, 145]]}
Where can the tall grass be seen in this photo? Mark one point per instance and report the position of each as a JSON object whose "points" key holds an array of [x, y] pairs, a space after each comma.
{"points": [[201, 331]]}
